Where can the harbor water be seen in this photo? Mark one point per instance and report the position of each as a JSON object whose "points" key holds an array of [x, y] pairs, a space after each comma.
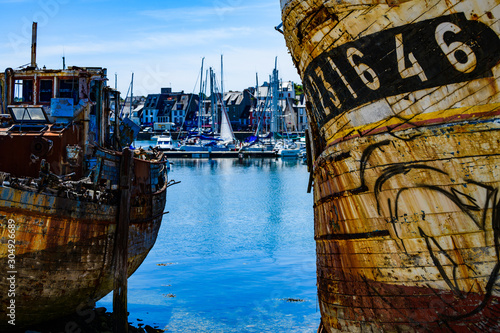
{"points": [[235, 253]]}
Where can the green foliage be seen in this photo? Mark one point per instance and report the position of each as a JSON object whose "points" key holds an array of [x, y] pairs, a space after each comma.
{"points": [[299, 89]]}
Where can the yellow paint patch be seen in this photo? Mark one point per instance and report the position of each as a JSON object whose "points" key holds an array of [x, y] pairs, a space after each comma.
{"points": [[394, 122]]}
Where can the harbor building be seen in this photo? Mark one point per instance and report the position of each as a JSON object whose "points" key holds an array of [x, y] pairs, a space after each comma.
{"points": [[172, 108]]}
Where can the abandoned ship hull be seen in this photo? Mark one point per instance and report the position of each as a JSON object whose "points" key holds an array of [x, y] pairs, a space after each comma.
{"points": [[63, 253], [404, 111], [79, 210]]}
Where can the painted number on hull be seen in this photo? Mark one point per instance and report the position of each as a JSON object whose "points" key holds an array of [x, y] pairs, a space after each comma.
{"points": [[415, 68], [426, 54], [456, 49], [365, 73]]}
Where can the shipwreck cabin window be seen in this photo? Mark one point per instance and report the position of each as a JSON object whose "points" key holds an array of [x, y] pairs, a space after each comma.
{"points": [[46, 88], [93, 90], [23, 91], [68, 88], [28, 115]]}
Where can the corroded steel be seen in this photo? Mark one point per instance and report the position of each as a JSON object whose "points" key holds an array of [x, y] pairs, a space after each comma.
{"points": [[27, 151], [59, 195], [64, 249], [64, 253], [404, 107]]}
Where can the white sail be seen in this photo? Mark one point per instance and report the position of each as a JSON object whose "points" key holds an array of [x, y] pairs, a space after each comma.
{"points": [[226, 130]]}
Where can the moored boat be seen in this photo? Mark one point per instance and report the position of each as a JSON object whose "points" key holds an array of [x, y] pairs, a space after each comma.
{"points": [[404, 114], [61, 161], [287, 148], [165, 142]]}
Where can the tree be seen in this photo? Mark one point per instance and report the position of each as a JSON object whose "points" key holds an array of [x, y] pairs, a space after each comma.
{"points": [[299, 89]]}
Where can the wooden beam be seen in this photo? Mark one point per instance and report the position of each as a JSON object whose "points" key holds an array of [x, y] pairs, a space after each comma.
{"points": [[120, 323]]}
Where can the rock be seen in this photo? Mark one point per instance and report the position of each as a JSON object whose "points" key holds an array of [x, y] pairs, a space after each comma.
{"points": [[100, 311], [150, 329], [101, 322]]}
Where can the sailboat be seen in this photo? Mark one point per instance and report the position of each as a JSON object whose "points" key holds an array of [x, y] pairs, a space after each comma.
{"points": [[222, 139], [271, 110], [267, 111]]}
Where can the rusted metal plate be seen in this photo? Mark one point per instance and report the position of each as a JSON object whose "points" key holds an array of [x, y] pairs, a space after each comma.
{"points": [[63, 255], [30, 148], [405, 119], [59, 196]]}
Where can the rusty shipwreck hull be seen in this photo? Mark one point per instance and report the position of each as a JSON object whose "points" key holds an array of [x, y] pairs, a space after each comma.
{"points": [[67, 179], [404, 112], [64, 249]]}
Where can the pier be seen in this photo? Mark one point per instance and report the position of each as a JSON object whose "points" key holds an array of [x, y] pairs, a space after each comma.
{"points": [[219, 154]]}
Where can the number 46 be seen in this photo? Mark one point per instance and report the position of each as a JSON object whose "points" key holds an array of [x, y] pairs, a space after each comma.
{"points": [[459, 54]]}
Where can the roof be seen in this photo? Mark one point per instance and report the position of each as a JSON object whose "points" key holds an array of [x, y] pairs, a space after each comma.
{"points": [[233, 98]]}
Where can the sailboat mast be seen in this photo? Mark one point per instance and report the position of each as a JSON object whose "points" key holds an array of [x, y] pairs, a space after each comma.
{"points": [[213, 112], [222, 106], [257, 104], [200, 106], [274, 108], [205, 85], [131, 94], [222, 75]]}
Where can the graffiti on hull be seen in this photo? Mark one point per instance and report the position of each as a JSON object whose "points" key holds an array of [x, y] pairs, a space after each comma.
{"points": [[472, 301]]}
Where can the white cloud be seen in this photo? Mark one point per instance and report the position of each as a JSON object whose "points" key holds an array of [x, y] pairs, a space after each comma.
{"points": [[154, 42], [160, 53], [221, 9]]}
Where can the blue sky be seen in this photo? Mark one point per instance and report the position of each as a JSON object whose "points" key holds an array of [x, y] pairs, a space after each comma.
{"points": [[161, 42]]}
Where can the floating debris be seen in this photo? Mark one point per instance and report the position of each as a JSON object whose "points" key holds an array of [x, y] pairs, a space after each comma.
{"points": [[167, 264], [292, 300]]}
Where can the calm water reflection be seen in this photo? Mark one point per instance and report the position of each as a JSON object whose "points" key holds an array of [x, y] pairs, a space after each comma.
{"points": [[236, 247]]}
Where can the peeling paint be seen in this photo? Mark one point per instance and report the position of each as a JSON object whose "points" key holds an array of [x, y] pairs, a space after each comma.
{"points": [[405, 153], [60, 194]]}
